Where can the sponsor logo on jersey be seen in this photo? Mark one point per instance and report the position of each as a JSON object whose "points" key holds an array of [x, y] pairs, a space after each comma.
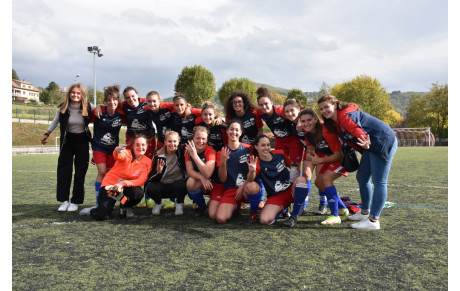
{"points": [[107, 139], [138, 126], [240, 180], [244, 158], [281, 166], [248, 123], [280, 133], [280, 187]]}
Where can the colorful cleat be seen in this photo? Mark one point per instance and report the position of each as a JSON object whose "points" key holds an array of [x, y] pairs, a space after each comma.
{"points": [[331, 219], [344, 212], [322, 209], [252, 217], [150, 203], [141, 204], [169, 205], [194, 205]]}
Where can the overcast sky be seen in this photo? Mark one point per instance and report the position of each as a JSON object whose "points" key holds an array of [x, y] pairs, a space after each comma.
{"points": [[402, 43]]}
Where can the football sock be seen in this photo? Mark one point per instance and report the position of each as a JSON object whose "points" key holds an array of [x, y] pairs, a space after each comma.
{"points": [[197, 197], [254, 200], [322, 198], [340, 203], [262, 188], [308, 193], [97, 187], [300, 195], [332, 199]]}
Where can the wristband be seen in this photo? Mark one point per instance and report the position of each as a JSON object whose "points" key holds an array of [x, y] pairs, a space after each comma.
{"points": [[47, 134]]}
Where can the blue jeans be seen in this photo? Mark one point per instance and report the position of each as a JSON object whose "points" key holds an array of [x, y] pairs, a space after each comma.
{"points": [[375, 167]]}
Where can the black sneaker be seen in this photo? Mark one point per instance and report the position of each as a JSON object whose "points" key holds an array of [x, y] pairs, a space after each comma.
{"points": [[322, 209], [199, 212], [290, 222]]}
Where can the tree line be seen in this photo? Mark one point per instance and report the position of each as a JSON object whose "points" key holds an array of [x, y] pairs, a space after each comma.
{"points": [[414, 109]]}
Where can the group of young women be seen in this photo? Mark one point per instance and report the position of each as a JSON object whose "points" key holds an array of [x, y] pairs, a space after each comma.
{"points": [[173, 150]]}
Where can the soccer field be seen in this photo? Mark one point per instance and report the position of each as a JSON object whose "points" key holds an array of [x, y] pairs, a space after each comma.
{"points": [[65, 251]]}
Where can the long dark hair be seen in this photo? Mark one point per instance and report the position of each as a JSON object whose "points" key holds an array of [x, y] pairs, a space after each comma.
{"points": [[331, 99], [255, 142], [247, 101], [318, 127]]}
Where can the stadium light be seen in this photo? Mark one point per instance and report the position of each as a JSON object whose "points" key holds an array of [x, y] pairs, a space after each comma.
{"points": [[76, 77], [95, 50]]}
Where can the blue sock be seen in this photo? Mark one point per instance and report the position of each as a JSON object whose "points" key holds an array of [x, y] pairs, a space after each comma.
{"points": [[97, 187], [262, 188], [341, 205], [197, 197], [279, 214], [308, 193], [254, 200], [300, 196], [322, 198], [332, 199]]}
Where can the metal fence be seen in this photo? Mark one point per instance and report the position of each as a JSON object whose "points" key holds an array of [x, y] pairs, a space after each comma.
{"points": [[33, 114]]}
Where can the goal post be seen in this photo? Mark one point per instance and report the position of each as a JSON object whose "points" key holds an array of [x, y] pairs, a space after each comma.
{"points": [[415, 137]]}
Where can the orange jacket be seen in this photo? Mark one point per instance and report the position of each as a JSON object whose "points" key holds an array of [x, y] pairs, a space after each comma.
{"points": [[129, 173]]}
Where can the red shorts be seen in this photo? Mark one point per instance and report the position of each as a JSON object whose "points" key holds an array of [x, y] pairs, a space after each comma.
{"points": [[291, 146], [217, 191], [102, 158], [282, 199], [335, 167], [229, 197], [151, 144]]}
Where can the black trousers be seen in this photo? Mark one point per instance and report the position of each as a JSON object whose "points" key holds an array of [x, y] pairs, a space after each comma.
{"points": [[105, 203], [75, 152], [158, 190]]}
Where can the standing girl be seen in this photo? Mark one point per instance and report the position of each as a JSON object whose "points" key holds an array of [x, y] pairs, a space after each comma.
{"points": [[238, 176], [73, 116], [376, 142], [106, 136], [325, 156], [210, 118], [183, 119], [160, 114]]}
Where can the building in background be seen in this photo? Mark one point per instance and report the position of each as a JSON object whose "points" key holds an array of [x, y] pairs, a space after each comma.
{"points": [[23, 91]]}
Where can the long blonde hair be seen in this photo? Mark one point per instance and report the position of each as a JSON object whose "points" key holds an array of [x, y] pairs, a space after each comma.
{"points": [[83, 102]]}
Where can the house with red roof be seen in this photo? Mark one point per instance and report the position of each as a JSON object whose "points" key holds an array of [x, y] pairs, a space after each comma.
{"points": [[24, 91]]}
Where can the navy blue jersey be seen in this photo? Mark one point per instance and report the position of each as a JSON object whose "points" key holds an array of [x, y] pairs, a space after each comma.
{"points": [[274, 174], [329, 144], [137, 120], [184, 126], [106, 131], [161, 119], [237, 166], [279, 126], [251, 123], [217, 136]]}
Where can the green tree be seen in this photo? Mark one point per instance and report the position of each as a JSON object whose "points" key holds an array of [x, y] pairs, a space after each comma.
{"points": [[15, 75], [298, 95], [430, 110], [197, 83], [369, 94], [90, 95], [242, 84], [51, 94]]}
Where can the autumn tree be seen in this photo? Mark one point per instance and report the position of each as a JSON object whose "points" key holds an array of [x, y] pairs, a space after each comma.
{"points": [[297, 94], [197, 83], [242, 84], [430, 110], [369, 94]]}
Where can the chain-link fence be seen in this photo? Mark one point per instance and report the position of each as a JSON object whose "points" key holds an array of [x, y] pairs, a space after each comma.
{"points": [[33, 114]]}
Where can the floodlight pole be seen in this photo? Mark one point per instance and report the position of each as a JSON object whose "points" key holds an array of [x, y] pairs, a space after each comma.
{"points": [[94, 50]]}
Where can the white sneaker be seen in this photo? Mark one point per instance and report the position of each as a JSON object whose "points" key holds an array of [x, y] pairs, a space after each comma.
{"points": [[156, 209], [64, 206], [366, 224], [72, 207], [179, 209], [129, 213], [85, 211], [358, 216]]}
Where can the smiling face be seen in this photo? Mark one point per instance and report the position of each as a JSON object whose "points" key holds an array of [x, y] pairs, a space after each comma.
{"points": [[180, 105], [238, 105], [131, 98], [153, 103], [200, 139], [234, 132], [111, 102], [328, 110], [208, 115], [140, 146], [75, 96], [291, 112], [265, 105], [308, 122], [171, 143], [263, 147]]}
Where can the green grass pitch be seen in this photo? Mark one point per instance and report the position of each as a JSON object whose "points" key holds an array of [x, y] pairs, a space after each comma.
{"points": [[65, 251]]}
